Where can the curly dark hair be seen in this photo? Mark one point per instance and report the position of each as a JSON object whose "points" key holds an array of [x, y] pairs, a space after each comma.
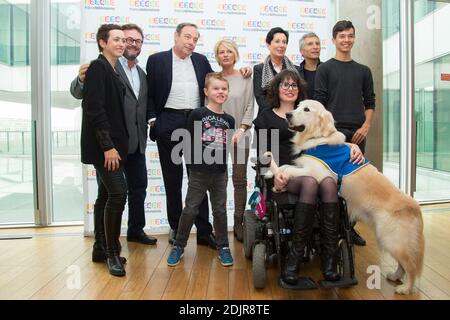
{"points": [[272, 90]]}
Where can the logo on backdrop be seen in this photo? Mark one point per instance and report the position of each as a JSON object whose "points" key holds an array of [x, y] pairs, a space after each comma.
{"points": [[163, 22], [256, 25], [154, 173], [232, 8], [144, 5], [153, 206], [300, 27], [252, 57], [100, 4], [157, 190], [158, 222], [114, 19], [188, 6], [240, 41], [313, 12], [91, 174], [153, 156], [295, 58], [211, 24], [152, 38], [271, 10]]}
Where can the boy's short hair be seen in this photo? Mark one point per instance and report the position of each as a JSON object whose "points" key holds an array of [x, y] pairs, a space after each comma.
{"points": [[341, 26], [103, 33], [217, 76]]}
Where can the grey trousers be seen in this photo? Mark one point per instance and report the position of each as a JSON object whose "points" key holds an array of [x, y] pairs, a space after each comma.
{"points": [[199, 183]]}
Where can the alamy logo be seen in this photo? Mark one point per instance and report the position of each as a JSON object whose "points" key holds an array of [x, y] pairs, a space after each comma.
{"points": [[203, 148]]}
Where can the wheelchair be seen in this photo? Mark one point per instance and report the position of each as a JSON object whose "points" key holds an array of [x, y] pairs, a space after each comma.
{"points": [[267, 237]]}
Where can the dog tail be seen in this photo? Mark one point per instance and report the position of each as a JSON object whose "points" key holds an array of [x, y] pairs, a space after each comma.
{"points": [[421, 247], [416, 252]]}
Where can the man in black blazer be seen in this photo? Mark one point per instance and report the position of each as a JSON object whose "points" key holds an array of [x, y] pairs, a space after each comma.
{"points": [[135, 110], [175, 80]]}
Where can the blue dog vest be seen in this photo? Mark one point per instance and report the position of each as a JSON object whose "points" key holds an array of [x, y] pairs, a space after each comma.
{"points": [[336, 158]]}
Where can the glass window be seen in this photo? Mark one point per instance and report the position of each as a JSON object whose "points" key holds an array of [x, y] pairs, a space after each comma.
{"points": [[431, 101], [20, 34], [16, 174], [5, 32], [65, 113], [391, 90]]}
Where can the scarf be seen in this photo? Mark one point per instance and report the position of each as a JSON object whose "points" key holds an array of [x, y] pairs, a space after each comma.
{"points": [[267, 73]]}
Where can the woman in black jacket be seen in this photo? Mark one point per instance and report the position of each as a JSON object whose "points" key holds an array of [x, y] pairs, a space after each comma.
{"points": [[277, 40], [104, 143]]}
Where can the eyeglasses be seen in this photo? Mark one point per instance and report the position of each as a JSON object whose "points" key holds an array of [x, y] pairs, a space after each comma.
{"points": [[131, 41], [287, 85]]}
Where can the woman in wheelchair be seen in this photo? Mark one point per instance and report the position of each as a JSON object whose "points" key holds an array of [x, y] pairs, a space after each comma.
{"points": [[284, 93]]}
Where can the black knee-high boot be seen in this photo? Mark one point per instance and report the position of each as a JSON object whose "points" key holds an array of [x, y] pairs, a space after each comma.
{"points": [[113, 222], [329, 224], [303, 225], [99, 249]]}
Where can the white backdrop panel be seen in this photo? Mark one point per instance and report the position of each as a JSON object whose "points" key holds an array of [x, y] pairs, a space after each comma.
{"points": [[245, 22]]}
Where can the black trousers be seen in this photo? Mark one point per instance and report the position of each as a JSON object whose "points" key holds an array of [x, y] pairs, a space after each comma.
{"points": [[349, 132], [135, 170], [172, 172]]}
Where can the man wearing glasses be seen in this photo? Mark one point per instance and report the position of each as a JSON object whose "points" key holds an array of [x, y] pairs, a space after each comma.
{"points": [[135, 106]]}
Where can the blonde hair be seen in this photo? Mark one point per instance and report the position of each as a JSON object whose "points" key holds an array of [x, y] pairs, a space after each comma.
{"points": [[217, 76], [230, 45]]}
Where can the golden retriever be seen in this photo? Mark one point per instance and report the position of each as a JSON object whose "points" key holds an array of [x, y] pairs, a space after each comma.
{"points": [[370, 196]]}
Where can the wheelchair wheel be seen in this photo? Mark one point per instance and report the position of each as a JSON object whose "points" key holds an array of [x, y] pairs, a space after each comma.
{"points": [[249, 230], [344, 260], [259, 266]]}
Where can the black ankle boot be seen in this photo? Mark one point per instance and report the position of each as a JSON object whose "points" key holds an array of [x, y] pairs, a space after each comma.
{"points": [[303, 224], [115, 265], [329, 224]]}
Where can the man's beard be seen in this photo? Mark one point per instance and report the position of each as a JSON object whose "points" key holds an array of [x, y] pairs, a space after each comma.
{"points": [[129, 56]]}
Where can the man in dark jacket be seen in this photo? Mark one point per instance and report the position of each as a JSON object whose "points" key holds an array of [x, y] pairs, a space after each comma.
{"points": [[309, 46]]}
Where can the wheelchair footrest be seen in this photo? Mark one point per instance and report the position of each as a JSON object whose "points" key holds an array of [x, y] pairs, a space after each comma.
{"points": [[343, 283], [303, 283]]}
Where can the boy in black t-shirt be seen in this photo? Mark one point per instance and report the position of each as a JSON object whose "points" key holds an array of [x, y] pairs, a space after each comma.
{"points": [[208, 126]]}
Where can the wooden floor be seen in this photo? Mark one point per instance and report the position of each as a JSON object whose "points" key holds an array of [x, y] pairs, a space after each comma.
{"points": [[47, 267]]}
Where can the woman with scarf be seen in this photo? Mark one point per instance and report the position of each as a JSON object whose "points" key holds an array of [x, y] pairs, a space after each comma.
{"points": [[276, 40]]}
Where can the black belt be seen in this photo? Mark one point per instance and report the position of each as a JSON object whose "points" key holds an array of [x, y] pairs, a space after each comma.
{"points": [[185, 112]]}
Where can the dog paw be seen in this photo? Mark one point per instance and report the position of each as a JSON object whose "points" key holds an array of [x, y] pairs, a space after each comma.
{"points": [[393, 276], [403, 289]]}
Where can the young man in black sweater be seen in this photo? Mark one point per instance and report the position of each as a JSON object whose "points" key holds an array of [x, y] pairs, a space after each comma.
{"points": [[345, 88]]}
